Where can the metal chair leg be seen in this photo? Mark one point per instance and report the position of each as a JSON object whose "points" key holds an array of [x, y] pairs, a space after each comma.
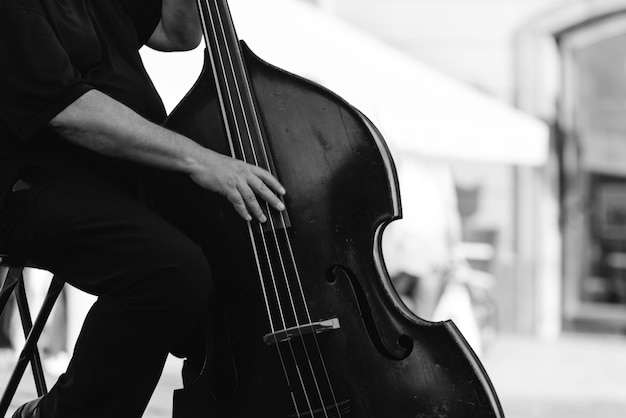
{"points": [[14, 281], [8, 285], [27, 325]]}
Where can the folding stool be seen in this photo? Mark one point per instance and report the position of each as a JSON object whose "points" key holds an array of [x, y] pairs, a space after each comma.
{"points": [[14, 282]]}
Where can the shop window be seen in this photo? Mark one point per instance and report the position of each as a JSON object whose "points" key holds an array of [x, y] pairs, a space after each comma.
{"points": [[594, 162]]}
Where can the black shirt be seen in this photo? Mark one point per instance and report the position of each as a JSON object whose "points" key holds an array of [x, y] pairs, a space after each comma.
{"points": [[52, 52]]}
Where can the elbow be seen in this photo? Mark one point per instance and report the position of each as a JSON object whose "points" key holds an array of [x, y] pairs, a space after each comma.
{"points": [[187, 43], [181, 39]]}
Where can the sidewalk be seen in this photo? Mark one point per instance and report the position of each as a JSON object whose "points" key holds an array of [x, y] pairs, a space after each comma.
{"points": [[572, 377]]}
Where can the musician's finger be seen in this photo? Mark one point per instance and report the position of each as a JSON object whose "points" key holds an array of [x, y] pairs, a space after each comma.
{"points": [[265, 193], [269, 180], [251, 201], [260, 186], [239, 204]]}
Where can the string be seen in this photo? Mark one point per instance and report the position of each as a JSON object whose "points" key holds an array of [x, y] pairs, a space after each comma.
{"points": [[286, 236], [296, 270], [232, 151], [236, 126], [256, 124], [257, 258], [301, 379], [261, 231]]}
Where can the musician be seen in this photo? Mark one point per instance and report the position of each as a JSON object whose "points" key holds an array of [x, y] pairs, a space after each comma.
{"points": [[79, 119]]}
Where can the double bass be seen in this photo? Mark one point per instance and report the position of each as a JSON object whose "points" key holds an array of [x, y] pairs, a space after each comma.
{"points": [[306, 322]]}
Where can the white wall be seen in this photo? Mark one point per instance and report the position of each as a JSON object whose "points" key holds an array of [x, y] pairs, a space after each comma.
{"points": [[469, 39]]}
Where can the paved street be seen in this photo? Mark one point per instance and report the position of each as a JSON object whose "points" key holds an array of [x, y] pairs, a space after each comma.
{"points": [[573, 377]]}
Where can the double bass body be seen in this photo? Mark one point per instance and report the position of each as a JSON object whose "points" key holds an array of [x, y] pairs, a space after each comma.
{"points": [[339, 343]]}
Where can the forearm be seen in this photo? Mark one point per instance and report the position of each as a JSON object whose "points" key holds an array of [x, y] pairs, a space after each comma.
{"points": [[101, 124]]}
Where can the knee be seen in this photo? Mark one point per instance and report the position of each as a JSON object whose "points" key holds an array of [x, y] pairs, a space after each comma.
{"points": [[192, 284], [177, 279]]}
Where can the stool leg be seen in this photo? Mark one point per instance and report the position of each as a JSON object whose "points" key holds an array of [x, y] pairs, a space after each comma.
{"points": [[30, 345], [8, 285], [27, 325]]}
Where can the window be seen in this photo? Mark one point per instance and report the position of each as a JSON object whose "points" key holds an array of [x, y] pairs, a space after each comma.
{"points": [[594, 162]]}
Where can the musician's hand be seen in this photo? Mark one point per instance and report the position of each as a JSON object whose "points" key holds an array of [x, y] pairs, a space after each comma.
{"points": [[240, 183], [101, 124]]}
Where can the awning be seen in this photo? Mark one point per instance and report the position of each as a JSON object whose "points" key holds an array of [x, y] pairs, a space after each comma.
{"points": [[418, 109]]}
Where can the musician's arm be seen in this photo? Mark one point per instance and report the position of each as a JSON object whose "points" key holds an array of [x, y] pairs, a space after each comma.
{"points": [[179, 28], [101, 124]]}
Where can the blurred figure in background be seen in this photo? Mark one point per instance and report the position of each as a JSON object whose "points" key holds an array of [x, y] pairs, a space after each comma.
{"points": [[421, 249]]}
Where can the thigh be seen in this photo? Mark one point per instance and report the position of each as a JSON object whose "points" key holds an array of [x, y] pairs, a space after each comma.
{"points": [[98, 237]]}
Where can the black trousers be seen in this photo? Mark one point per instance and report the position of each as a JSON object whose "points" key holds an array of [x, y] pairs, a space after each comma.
{"points": [[152, 281]]}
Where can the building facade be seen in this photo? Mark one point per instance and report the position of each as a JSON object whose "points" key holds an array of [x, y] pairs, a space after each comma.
{"points": [[582, 43], [559, 229]]}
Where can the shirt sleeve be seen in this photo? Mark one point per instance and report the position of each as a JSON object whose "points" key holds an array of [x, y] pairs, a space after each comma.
{"points": [[146, 15], [37, 79]]}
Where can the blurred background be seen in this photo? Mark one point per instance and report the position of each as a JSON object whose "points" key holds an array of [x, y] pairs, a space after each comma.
{"points": [[506, 121]]}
